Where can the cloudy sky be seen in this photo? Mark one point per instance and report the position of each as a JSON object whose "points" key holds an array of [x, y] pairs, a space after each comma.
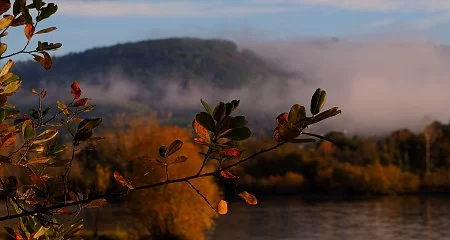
{"points": [[85, 24]]}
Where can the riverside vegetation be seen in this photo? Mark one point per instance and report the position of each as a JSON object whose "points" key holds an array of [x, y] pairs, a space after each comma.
{"points": [[37, 186]]}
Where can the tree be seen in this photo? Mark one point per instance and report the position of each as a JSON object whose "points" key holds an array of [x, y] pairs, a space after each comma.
{"points": [[37, 196]]}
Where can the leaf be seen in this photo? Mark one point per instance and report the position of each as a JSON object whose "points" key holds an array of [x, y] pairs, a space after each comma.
{"points": [[89, 124], [18, 21], [122, 180], [228, 175], [75, 90], [249, 198], [174, 147], [302, 140], [60, 163], [231, 106], [46, 30], [206, 121], [7, 67], [282, 118], [162, 151], [8, 140], [297, 115], [200, 141], [28, 130], [82, 136], [37, 149], [201, 131], [238, 122], [289, 131], [10, 231], [17, 7], [12, 87], [6, 21], [26, 14], [5, 5], [63, 107], [180, 159], [45, 136], [324, 115], [47, 11], [47, 61], [3, 48], [219, 112], [232, 152], [207, 107], [87, 109], [97, 203], [238, 134], [39, 160], [29, 31], [318, 101], [81, 102], [222, 207]]}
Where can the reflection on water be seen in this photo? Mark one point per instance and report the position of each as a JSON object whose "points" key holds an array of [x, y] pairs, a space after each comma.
{"points": [[393, 217]]}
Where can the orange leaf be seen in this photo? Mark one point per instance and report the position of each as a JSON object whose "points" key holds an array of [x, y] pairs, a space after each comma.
{"points": [[282, 118], [249, 198], [8, 140], [97, 203], [232, 152], [122, 180], [228, 175], [29, 31], [19, 236], [201, 131], [222, 207], [200, 141], [76, 90], [81, 102]]}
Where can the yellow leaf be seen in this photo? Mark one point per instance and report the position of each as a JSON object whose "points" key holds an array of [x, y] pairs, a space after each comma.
{"points": [[3, 47], [222, 207], [45, 136], [6, 77], [63, 107], [249, 198], [11, 88], [46, 30], [38, 160], [6, 21], [7, 67]]}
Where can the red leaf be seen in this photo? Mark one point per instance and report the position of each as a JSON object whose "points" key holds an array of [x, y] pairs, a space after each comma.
{"points": [[19, 236], [232, 152], [29, 31], [18, 21], [201, 131], [282, 118], [228, 175], [76, 91], [276, 134], [122, 180], [81, 102]]}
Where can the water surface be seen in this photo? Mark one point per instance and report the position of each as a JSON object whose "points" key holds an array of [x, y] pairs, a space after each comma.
{"points": [[393, 217]]}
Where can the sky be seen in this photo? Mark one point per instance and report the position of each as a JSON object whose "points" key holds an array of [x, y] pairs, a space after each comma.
{"points": [[84, 24]]}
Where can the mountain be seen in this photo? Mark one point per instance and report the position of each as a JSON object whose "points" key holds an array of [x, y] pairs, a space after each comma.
{"points": [[218, 62]]}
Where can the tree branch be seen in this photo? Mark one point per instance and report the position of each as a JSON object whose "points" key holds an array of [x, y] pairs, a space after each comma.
{"points": [[199, 193]]}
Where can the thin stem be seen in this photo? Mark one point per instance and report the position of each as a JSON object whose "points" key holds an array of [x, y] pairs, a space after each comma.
{"points": [[204, 161], [199, 193], [110, 195], [64, 177]]}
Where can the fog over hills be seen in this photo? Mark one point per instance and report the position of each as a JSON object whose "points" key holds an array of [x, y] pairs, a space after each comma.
{"points": [[379, 85]]}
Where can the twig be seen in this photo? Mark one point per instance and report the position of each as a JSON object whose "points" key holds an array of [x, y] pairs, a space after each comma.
{"points": [[199, 193]]}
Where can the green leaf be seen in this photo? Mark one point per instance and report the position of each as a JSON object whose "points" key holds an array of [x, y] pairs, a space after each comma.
{"points": [[37, 4], [174, 147], [297, 115], [89, 124], [82, 136], [47, 11], [162, 151], [289, 131], [231, 106], [318, 101], [238, 122], [17, 7], [26, 14], [34, 113], [206, 121], [45, 112], [324, 115], [207, 107], [238, 134], [45, 136], [219, 112], [28, 130]]}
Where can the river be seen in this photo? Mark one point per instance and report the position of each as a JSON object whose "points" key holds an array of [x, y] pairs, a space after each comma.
{"points": [[391, 217]]}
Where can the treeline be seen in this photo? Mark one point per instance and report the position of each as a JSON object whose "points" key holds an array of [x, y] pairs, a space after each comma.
{"points": [[402, 162]]}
